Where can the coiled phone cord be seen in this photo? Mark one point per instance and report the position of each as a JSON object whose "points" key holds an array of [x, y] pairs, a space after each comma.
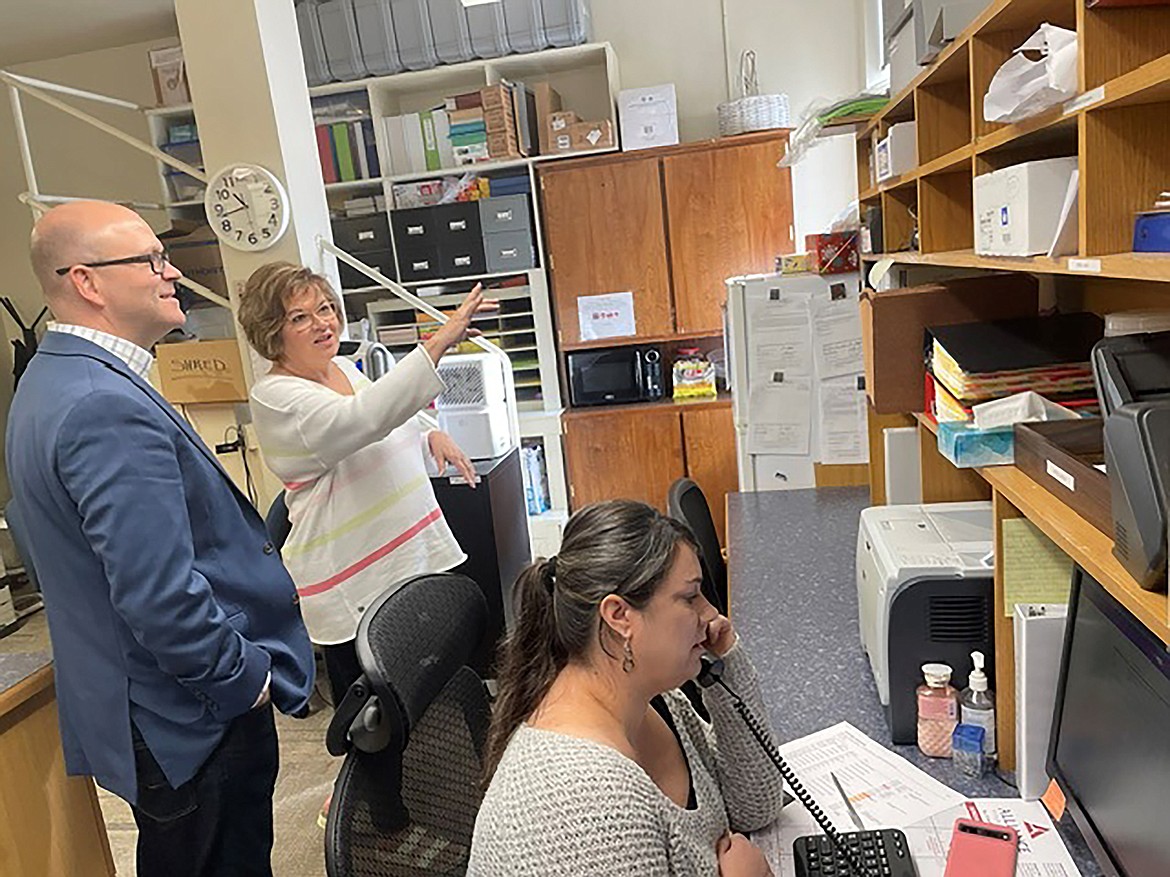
{"points": [[711, 674]]}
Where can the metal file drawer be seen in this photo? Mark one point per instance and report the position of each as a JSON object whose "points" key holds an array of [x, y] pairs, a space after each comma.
{"points": [[379, 260], [456, 224], [509, 251], [361, 234], [460, 258], [418, 262], [504, 213], [414, 227]]}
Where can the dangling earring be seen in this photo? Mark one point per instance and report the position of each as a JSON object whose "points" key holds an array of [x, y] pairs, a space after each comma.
{"points": [[627, 657]]}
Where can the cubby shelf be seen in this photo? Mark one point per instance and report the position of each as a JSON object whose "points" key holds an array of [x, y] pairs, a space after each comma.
{"points": [[1123, 266]]}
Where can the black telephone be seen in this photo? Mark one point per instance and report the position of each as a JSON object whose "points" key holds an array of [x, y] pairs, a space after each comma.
{"points": [[879, 853]]}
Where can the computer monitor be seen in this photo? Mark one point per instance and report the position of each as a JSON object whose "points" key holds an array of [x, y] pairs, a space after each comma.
{"points": [[1110, 744]]}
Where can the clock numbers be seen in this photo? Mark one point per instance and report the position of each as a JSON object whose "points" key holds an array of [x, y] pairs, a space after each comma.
{"points": [[246, 206]]}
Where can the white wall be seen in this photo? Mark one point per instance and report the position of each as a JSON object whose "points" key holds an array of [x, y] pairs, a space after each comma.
{"points": [[71, 158], [808, 49]]}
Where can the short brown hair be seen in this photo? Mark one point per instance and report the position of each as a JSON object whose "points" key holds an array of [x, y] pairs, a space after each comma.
{"points": [[263, 302]]}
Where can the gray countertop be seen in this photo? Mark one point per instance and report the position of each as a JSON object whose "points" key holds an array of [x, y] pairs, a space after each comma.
{"points": [[14, 669], [794, 602]]}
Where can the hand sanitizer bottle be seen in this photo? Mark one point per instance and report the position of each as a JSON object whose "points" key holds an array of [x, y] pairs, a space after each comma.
{"points": [[977, 704]]}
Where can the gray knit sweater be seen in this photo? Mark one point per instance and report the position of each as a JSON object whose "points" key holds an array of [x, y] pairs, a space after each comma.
{"points": [[561, 805]]}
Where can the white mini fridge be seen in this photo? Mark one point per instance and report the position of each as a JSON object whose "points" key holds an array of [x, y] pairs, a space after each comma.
{"points": [[795, 369]]}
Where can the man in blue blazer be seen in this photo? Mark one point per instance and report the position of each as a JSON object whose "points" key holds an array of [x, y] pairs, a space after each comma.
{"points": [[173, 621]]}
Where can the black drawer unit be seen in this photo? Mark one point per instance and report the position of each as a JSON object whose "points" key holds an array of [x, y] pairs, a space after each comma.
{"points": [[419, 262], [379, 260], [462, 257], [414, 227], [456, 224], [362, 234]]}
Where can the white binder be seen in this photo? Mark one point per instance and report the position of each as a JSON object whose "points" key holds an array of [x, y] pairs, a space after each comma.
{"points": [[1039, 636]]}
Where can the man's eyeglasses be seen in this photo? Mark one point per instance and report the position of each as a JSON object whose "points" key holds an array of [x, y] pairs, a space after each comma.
{"points": [[157, 261], [301, 321]]}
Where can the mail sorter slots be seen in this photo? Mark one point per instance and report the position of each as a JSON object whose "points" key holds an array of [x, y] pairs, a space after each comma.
{"points": [[924, 589]]}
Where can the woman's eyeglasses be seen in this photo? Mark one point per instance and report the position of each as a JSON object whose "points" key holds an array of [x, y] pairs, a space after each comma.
{"points": [[157, 261], [301, 321]]}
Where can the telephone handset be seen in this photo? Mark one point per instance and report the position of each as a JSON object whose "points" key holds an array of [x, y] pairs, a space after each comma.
{"points": [[876, 848]]}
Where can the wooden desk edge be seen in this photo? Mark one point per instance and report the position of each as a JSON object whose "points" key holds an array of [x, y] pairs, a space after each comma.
{"points": [[26, 689]]}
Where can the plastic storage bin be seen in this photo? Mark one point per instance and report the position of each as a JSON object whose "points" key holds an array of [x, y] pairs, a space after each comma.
{"points": [[184, 187], [312, 45], [339, 33], [525, 21], [375, 27], [566, 22], [1136, 322], [449, 28], [489, 31], [412, 28]]}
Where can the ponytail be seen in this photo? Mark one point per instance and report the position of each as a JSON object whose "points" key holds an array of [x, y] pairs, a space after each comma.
{"points": [[530, 659]]}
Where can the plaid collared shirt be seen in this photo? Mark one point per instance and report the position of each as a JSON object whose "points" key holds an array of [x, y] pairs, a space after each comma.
{"points": [[130, 353]]}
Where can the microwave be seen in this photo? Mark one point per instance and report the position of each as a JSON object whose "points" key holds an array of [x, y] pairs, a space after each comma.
{"points": [[613, 375]]}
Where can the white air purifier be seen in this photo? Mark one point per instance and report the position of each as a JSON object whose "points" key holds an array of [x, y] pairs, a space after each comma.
{"points": [[473, 409]]}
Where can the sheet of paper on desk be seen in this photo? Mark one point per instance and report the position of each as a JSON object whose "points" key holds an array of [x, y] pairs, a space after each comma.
{"points": [[781, 416], [886, 790], [837, 338], [1035, 570], [844, 431], [1041, 852]]}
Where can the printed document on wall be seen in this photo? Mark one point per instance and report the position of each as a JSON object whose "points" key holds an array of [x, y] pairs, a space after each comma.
{"points": [[843, 433], [606, 316], [780, 338], [837, 337], [781, 416]]}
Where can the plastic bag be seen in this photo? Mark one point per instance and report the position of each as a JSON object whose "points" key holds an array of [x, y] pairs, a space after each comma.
{"points": [[1023, 87], [822, 112]]}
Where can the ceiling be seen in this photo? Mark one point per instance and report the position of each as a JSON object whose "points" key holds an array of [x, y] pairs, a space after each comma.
{"points": [[32, 30]]}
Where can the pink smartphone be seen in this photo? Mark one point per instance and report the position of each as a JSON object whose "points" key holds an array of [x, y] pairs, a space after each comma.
{"points": [[981, 849]]}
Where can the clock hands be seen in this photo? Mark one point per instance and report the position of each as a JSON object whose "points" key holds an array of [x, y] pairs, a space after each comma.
{"points": [[243, 203]]}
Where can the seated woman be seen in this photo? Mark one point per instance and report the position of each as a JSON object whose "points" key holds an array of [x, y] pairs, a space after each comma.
{"points": [[598, 765], [350, 454]]}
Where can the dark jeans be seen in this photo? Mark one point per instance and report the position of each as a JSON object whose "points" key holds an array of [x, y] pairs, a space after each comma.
{"points": [[342, 668], [220, 821]]}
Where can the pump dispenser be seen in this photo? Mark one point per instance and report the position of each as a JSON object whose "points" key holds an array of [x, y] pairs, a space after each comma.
{"points": [[977, 704]]}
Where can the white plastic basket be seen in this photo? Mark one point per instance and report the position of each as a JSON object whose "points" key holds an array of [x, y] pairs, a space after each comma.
{"points": [[752, 111]]}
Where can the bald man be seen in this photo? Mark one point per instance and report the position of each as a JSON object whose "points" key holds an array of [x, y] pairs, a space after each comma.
{"points": [[175, 626]]}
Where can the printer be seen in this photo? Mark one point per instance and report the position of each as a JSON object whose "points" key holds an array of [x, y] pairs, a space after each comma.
{"points": [[924, 594], [1132, 373]]}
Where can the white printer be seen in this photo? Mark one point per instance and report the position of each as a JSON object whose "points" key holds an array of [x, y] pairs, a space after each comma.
{"points": [[924, 594]]}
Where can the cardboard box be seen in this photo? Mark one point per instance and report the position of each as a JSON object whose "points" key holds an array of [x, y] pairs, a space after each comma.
{"points": [[834, 253], [591, 135], [793, 263], [170, 76], [894, 323], [548, 101], [648, 117], [1017, 209], [192, 372], [897, 154], [194, 250]]}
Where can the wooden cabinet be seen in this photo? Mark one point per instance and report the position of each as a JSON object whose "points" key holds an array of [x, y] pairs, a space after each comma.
{"points": [[709, 442], [729, 212], [669, 225], [638, 451], [605, 233], [623, 453]]}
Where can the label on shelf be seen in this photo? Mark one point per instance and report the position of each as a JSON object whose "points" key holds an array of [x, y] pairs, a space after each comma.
{"points": [[1085, 266], [1060, 475], [1084, 101]]}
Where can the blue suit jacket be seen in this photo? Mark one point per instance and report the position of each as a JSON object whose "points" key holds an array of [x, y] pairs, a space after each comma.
{"points": [[166, 602]]}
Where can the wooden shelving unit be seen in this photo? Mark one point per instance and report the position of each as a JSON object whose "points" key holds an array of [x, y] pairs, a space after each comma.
{"points": [[1117, 128]]}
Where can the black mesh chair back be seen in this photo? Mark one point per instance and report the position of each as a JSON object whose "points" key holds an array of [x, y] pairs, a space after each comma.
{"points": [[685, 502], [19, 534], [277, 522], [406, 799]]}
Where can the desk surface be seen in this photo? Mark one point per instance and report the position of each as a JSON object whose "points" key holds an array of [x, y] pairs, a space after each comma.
{"points": [[15, 669], [794, 602]]}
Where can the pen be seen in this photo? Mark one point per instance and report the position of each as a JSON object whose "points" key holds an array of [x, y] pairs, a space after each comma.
{"points": [[848, 804]]}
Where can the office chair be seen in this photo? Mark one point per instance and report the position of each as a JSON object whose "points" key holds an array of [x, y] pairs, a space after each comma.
{"points": [[685, 502], [413, 729], [276, 522]]}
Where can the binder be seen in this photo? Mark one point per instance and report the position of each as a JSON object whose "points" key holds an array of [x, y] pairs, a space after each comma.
{"points": [[430, 142], [1039, 639], [1021, 344], [345, 166], [325, 154]]}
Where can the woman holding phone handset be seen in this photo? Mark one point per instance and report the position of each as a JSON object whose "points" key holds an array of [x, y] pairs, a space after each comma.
{"points": [[598, 765]]}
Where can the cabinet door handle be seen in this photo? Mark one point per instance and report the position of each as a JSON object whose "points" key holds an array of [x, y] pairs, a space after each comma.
{"points": [[420, 266], [415, 229], [503, 215], [463, 261], [367, 235], [457, 225]]}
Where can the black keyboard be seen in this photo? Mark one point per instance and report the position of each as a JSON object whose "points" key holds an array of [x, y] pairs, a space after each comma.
{"points": [[882, 852]]}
